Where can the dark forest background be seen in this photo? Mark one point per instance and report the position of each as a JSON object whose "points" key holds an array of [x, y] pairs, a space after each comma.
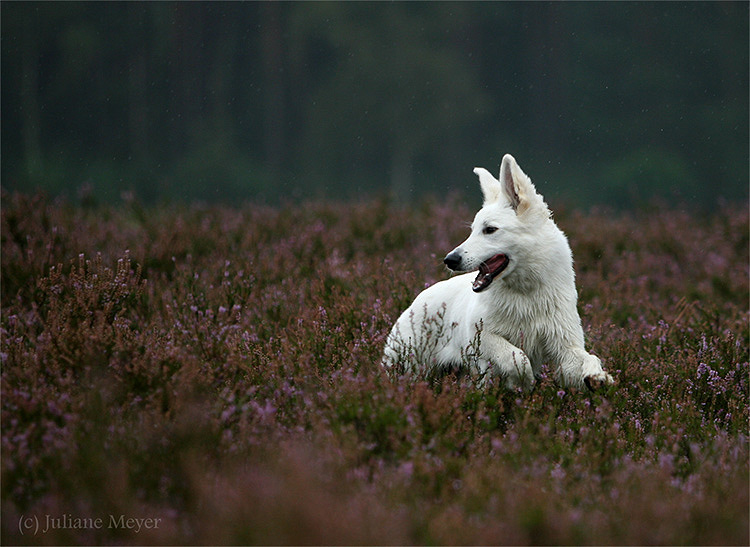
{"points": [[601, 103]]}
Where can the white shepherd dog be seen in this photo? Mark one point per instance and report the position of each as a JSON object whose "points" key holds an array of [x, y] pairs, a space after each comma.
{"points": [[517, 313]]}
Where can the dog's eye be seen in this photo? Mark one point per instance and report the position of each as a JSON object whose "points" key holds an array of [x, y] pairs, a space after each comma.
{"points": [[489, 230]]}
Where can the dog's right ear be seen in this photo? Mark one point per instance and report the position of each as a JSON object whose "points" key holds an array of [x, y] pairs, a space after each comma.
{"points": [[491, 188], [518, 188], [507, 179]]}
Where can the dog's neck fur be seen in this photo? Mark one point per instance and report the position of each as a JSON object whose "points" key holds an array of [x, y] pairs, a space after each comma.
{"points": [[521, 284]]}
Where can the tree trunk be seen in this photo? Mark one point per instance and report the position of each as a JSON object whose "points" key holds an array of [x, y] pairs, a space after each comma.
{"points": [[138, 128], [31, 118], [273, 82], [401, 175]]}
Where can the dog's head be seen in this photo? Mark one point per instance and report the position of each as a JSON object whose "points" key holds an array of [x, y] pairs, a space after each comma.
{"points": [[501, 231]]}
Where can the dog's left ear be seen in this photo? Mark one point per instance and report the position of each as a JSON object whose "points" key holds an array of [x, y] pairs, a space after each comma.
{"points": [[516, 185], [491, 189]]}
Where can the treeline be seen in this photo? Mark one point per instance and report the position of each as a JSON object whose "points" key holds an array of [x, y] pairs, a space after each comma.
{"points": [[600, 102]]}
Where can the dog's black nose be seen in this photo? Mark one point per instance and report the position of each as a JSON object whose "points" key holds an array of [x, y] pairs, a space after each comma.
{"points": [[453, 260]]}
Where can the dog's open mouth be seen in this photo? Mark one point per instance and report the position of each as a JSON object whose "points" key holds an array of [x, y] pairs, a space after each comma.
{"points": [[488, 270]]}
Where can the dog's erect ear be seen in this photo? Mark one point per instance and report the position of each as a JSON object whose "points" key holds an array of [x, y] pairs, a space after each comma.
{"points": [[491, 188], [516, 185], [507, 182]]}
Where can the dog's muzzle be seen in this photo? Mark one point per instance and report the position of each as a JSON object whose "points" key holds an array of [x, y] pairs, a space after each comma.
{"points": [[488, 270]]}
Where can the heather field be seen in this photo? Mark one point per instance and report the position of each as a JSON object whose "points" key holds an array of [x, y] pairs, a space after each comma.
{"points": [[209, 375]]}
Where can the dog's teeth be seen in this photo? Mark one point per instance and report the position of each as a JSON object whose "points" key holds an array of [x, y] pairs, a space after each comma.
{"points": [[482, 281]]}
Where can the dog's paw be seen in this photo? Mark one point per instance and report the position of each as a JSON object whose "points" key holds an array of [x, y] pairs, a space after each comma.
{"points": [[598, 381]]}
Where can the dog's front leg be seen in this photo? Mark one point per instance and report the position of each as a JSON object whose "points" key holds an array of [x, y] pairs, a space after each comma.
{"points": [[578, 368], [501, 358]]}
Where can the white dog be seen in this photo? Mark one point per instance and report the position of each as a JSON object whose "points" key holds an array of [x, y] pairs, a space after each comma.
{"points": [[517, 313]]}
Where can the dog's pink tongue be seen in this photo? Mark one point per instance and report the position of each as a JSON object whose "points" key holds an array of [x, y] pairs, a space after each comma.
{"points": [[488, 270]]}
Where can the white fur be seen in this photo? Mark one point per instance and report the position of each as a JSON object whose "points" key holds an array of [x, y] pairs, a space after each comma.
{"points": [[526, 317]]}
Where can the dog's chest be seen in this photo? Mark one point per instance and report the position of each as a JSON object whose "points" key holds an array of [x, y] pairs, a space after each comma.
{"points": [[524, 336], [521, 323]]}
